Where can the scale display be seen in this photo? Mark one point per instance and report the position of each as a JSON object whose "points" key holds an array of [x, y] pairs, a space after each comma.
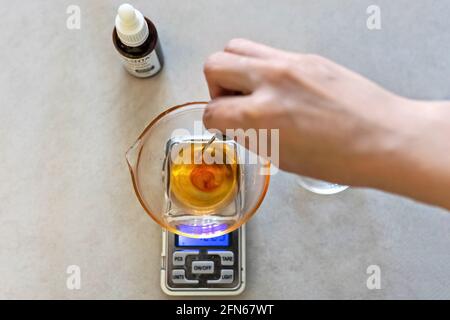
{"points": [[220, 241]]}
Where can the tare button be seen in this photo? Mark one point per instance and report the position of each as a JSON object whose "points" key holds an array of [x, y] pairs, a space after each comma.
{"points": [[226, 257], [202, 267]]}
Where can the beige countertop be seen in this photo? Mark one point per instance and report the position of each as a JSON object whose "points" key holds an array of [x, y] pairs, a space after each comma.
{"points": [[69, 112]]}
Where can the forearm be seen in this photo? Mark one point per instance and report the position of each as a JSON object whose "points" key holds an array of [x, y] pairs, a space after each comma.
{"points": [[415, 158]]}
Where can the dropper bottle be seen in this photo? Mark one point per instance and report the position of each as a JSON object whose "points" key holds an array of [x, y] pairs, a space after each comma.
{"points": [[136, 39]]}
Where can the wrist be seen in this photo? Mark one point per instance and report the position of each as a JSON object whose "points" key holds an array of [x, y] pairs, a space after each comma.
{"points": [[412, 157], [391, 146]]}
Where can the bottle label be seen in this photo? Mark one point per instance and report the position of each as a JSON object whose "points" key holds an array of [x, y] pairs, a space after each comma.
{"points": [[143, 67]]}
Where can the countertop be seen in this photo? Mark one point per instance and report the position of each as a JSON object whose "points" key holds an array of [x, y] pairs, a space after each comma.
{"points": [[69, 111]]}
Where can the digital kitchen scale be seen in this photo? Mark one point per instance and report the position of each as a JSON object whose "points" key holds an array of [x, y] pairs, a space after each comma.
{"points": [[203, 267]]}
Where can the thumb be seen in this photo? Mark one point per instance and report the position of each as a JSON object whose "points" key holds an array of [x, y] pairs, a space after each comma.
{"points": [[226, 113]]}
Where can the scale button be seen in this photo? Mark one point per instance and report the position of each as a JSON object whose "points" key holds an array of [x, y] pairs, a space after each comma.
{"points": [[179, 257], [226, 257], [202, 267], [179, 277], [226, 276]]}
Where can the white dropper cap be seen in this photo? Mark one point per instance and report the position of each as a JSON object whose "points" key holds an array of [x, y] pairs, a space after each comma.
{"points": [[131, 26]]}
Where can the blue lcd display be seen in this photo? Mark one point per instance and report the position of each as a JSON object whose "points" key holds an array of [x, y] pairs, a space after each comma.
{"points": [[220, 241]]}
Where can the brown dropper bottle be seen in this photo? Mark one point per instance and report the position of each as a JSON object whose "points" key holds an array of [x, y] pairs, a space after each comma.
{"points": [[136, 39]]}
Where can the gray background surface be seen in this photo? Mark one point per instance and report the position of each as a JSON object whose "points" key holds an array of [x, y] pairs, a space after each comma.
{"points": [[69, 112]]}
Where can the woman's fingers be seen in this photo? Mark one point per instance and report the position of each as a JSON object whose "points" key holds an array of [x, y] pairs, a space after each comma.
{"points": [[239, 69], [233, 113], [252, 49], [227, 113], [228, 73]]}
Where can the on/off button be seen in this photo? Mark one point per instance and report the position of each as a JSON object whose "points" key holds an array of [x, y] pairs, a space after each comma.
{"points": [[202, 267]]}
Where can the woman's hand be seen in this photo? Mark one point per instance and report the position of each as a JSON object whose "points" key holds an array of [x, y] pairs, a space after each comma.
{"points": [[334, 124]]}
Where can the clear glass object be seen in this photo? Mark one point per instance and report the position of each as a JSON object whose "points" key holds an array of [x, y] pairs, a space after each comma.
{"points": [[182, 198], [320, 186]]}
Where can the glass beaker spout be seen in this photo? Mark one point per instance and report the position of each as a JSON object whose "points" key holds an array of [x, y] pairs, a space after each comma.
{"points": [[132, 155]]}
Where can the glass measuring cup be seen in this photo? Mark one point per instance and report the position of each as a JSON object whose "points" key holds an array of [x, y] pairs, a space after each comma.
{"points": [[151, 164]]}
